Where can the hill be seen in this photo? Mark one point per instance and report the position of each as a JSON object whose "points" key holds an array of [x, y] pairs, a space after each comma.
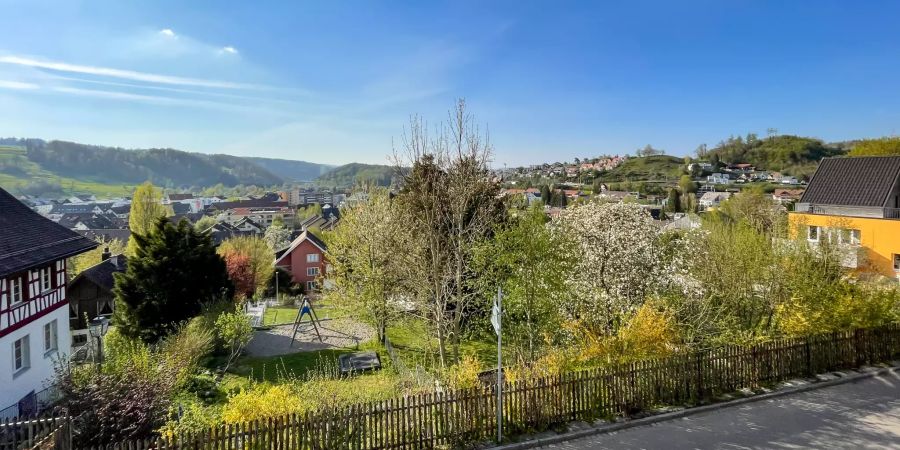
{"points": [[793, 155], [290, 170], [353, 174], [646, 168], [21, 176], [38, 167]]}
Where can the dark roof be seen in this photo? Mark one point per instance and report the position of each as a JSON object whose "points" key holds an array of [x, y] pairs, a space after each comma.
{"points": [[121, 234], [98, 221], [861, 181], [223, 231], [258, 203], [74, 208], [102, 274], [251, 222], [180, 208], [27, 239], [177, 197]]}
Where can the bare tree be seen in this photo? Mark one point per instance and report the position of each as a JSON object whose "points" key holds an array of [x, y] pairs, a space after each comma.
{"points": [[450, 203]]}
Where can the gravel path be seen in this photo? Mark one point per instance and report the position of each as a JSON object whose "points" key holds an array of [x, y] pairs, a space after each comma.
{"points": [[336, 333]]}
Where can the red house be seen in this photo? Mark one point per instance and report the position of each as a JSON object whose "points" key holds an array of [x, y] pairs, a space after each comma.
{"points": [[304, 259], [34, 317]]}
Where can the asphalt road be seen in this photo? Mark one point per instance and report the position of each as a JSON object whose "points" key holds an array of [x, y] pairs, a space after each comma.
{"points": [[865, 414]]}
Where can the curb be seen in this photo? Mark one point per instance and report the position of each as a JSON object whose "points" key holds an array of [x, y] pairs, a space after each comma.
{"points": [[624, 425]]}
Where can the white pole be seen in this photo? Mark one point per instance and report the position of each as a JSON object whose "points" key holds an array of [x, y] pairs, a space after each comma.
{"points": [[499, 365]]}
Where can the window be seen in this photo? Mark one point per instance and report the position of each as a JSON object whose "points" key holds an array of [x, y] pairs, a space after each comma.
{"points": [[45, 279], [312, 257], [312, 271], [813, 233], [855, 237], [50, 337], [15, 291], [21, 358], [897, 263], [310, 286]]}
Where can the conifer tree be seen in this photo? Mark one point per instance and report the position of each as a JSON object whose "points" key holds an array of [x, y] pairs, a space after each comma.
{"points": [[173, 272]]}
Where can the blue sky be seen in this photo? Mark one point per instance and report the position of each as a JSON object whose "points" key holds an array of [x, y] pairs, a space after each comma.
{"points": [[335, 82]]}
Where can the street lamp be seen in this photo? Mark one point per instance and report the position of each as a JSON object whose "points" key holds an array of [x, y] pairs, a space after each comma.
{"points": [[98, 326]]}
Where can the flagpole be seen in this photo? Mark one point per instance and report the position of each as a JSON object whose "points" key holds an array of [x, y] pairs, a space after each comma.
{"points": [[499, 365]]}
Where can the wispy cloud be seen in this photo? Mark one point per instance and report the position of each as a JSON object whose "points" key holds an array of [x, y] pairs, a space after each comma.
{"points": [[125, 74], [168, 33], [18, 85], [181, 90], [229, 49], [161, 100]]}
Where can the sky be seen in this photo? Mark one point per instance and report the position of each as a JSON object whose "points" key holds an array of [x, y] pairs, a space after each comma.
{"points": [[337, 82]]}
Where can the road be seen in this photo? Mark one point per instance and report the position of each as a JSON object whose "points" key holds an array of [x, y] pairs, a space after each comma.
{"points": [[865, 414]]}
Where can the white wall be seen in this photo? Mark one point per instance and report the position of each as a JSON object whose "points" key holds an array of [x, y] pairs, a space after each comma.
{"points": [[35, 378]]}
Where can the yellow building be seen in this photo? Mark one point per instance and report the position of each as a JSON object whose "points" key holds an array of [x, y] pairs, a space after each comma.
{"points": [[856, 203]]}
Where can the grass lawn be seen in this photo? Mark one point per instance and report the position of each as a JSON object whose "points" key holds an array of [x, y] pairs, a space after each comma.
{"points": [[411, 340], [293, 365], [280, 315]]}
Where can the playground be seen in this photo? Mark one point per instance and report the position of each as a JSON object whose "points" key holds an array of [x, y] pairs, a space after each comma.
{"points": [[311, 329]]}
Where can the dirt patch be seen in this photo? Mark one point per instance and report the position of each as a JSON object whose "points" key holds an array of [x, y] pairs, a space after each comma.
{"points": [[336, 333]]}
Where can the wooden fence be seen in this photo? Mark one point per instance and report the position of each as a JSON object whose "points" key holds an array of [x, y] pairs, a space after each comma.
{"points": [[458, 419], [36, 433]]}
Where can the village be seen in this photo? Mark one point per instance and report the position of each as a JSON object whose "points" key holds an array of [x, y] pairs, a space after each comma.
{"points": [[370, 225], [309, 316]]}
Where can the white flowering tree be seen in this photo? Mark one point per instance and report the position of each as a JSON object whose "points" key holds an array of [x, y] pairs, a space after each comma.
{"points": [[619, 262], [277, 237]]}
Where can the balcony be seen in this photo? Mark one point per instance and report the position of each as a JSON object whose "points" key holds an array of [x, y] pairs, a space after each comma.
{"points": [[849, 211]]}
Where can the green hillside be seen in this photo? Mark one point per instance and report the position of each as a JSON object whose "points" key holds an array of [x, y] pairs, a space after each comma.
{"points": [[292, 171], [793, 155], [646, 168], [19, 175], [353, 174], [55, 168]]}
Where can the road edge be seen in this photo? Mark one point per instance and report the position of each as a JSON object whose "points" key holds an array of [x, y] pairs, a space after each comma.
{"points": [[650, 420]]}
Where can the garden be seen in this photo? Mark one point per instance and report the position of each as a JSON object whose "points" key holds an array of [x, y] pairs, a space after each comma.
{"points": [[598, 287]]}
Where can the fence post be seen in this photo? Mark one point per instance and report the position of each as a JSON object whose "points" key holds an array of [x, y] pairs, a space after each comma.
{"points": [[809, 371], [699, 364]]}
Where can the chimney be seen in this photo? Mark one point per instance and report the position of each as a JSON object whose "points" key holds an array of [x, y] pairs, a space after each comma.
{"points": [[105, 255]]}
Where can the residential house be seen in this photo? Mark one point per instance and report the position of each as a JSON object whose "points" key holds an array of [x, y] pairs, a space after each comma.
{"points": [[304, 259], [249, 226], [222, 231], [855, 202], [683, 222], [34, 318], [90, 295], [263, 216], [248, 203], [713, 199], [184, 203], [787, 196], [718, 178]]}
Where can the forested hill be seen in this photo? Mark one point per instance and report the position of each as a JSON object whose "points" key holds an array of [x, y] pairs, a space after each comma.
{"points": [[290, 170], [164, 167], [791, 154], [353, 174]]}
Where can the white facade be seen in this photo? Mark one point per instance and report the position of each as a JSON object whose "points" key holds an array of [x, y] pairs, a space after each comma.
{"points": [[16, 385]]}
